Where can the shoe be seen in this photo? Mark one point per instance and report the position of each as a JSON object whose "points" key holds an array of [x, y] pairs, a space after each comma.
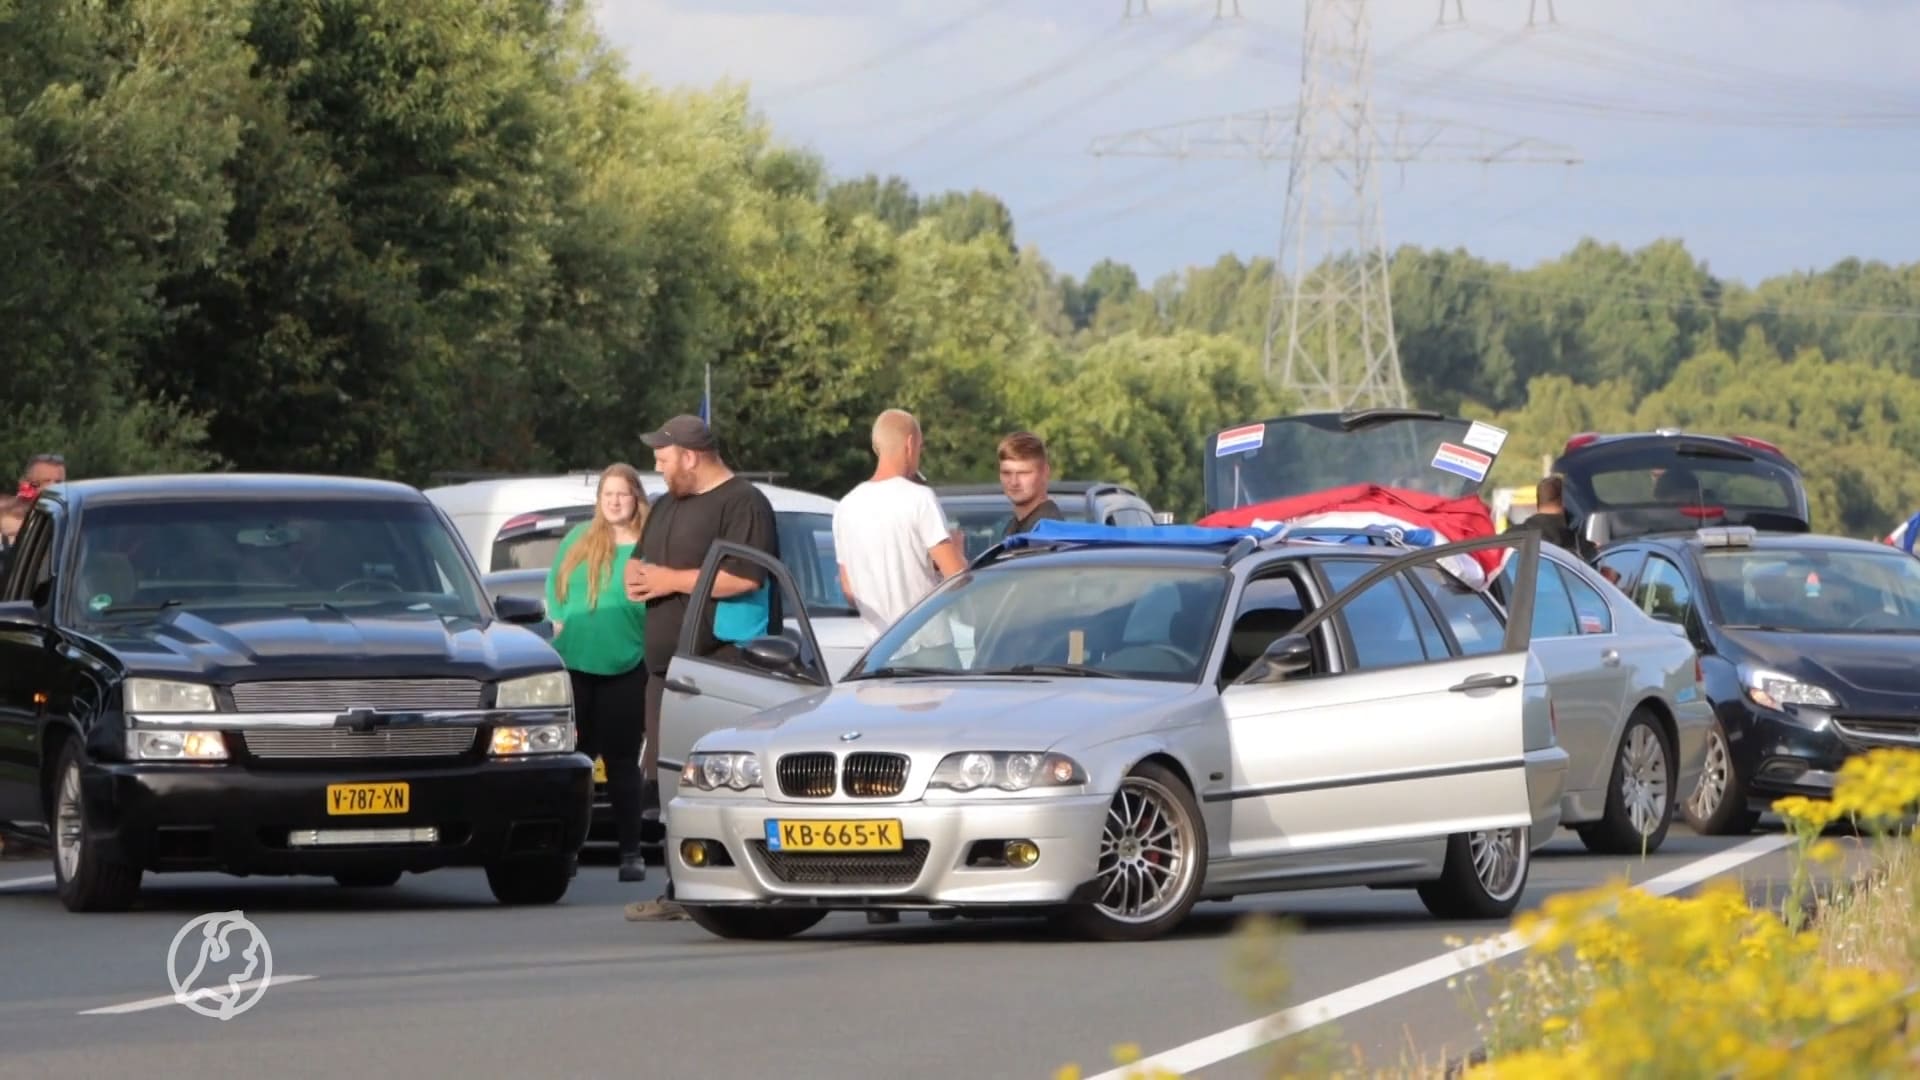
{"points": [[633, 867], [655, 911]]}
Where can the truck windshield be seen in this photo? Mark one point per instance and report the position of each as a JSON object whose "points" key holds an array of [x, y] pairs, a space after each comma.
{"points": [[209, 555], [1299, 455]]}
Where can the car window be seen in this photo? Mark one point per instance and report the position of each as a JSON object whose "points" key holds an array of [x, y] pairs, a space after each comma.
{"points": [[1380, 620], [1553, 615], [1475, 623], [1663, 591], [31, 560], [1591, 614], [746, 620], [1618, 567], [1270, 607], [806, 549]]}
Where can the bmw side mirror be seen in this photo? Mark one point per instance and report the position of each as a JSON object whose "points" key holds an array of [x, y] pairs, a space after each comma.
{"points": [[1596, 530], [520, 610], [776, 653], [1284, 658]]}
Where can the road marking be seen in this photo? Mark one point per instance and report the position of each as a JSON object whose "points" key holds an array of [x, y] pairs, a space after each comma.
{"points": [[1291, 1021], [161, 1002], [21, 883]]}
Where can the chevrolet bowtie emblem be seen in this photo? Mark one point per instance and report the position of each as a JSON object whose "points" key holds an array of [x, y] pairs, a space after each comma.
{"points": [[850, 736]]}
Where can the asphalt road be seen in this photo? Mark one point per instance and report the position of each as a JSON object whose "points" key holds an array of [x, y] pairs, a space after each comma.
{"points": [[432, 978]]}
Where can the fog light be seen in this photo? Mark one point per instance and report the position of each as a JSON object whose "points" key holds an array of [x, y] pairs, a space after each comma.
{"points": [[1022, 853], [694, 852]]}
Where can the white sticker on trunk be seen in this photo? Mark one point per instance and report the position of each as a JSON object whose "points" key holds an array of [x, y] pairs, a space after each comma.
{"points": [[1485, 437]]}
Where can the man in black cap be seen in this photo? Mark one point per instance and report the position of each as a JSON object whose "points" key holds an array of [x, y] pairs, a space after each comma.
{"points": [[704, 502]]}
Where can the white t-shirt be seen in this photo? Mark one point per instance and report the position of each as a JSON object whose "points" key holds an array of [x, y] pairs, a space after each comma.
{"points": [[884, 533]]}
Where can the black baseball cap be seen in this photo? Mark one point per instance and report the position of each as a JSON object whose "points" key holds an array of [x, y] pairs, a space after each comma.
{"points": [[684, 431]]}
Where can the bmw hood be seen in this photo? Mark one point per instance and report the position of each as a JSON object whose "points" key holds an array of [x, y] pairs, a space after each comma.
{"points": [[940, 715]]}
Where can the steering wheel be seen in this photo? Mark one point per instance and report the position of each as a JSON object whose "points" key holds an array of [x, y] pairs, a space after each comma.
{"points": [[387, 584], [1183, 656]]}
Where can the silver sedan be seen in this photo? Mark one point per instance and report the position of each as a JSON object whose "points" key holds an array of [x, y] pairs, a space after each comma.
{"points": [[1145, 719], [1628, 701]]}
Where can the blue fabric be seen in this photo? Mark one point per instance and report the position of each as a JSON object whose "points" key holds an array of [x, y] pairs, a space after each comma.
{"points": [[1913, 527], [1082, 532], [743, 617]]}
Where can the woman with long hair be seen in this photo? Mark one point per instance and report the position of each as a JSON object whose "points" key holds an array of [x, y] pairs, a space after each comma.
{"points": [[599, 634]]}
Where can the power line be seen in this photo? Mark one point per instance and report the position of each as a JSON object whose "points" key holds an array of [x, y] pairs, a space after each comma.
{"points": [[891, 53]]}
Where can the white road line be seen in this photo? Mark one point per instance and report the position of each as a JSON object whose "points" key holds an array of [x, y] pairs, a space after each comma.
{"points": [[1291, 1021], [25, 882], [161, 1002]]}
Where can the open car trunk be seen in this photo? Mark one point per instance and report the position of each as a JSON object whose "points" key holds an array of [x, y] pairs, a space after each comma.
{"points": [[1414, 473], [1623, 488]]}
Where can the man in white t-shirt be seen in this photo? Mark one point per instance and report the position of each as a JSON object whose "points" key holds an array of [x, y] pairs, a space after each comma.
{"points": [[891, 537]]}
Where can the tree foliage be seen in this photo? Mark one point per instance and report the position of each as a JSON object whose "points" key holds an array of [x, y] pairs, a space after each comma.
{"points": [[391, 237]]}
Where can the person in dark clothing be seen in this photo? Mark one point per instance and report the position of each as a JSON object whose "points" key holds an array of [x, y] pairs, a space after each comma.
{"points": [[1025, 474], [704, 503], [1550, 514]]}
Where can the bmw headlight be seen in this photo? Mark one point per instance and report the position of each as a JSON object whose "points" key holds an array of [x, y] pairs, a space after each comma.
{"points": [[175, 744], [514, 740], [1006, 771], [713, 771], [1773, 690], [551, 690], [167, 696]]}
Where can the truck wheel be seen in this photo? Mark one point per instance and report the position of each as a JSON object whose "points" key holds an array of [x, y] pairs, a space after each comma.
{"points": [[84, 877], [537, 880]]}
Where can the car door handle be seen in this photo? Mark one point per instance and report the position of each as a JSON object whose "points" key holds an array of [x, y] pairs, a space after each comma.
{"points": [[682, 686], [1610, 657], [1484, 682]]}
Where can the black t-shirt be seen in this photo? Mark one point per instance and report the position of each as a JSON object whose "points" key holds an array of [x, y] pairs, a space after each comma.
{"points": [[679, 533], [1045, 511]]}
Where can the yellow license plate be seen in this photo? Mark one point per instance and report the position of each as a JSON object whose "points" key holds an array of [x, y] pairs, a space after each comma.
{"points": [[599, 770], [388, 798], [882, 835]]}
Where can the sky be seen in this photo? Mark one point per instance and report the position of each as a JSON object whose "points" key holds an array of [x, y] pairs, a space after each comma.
{"points": [[1771, 136]]}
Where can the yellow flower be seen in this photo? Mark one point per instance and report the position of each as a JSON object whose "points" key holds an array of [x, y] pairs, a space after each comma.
{"points": [[1824, 851], [1126, 1053], [1067, 1072]]}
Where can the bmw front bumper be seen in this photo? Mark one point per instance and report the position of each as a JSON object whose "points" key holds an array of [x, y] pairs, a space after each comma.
{"points": [[951, 854]]}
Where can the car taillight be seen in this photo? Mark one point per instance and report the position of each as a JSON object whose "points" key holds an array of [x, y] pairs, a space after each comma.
{"points": [[1585, 438], [1758, 444]]}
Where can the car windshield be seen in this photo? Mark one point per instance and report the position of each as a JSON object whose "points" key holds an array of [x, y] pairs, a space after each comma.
{"points": [[213, 554], [1299, 455], [982, 519], [1661, 488], [1815, 592], [806, 549], [1043, 615]]}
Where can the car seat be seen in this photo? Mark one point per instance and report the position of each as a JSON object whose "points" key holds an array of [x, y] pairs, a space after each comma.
{"points": [[1252, 632]]}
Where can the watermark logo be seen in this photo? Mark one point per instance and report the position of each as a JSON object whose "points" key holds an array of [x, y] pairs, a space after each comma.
{"points": [[230, 955]]}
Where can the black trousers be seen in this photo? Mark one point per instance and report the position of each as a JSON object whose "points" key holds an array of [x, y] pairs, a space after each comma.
{"points": [[611, 711]]}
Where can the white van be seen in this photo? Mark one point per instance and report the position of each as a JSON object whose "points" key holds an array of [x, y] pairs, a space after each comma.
{"points": [[517, 523]]}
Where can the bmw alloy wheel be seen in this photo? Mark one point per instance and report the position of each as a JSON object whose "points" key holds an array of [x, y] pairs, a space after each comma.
{"points": [[1146, 853], [68, 824], [1499, 861], [1643, 779]]}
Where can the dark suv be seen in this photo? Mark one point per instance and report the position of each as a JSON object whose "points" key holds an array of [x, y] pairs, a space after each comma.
{"points": [[981, 511], [1623, 486], [1808, 646]]}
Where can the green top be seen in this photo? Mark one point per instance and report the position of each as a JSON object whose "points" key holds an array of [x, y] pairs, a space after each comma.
{"points": [[603, 640]]}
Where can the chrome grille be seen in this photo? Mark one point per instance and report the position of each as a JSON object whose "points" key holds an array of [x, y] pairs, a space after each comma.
{"points": [[415, 742], [806, 776], [345, 695], [895, 868], [868, 775], [1886, 730]]}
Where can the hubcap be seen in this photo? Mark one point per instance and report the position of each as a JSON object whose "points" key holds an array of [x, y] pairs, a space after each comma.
{"points": [[67, 824], [1499, 860], [1713, 777], [1643, 779], [1145, 863]]}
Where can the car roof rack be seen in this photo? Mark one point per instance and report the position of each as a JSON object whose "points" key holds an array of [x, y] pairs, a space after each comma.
{"points": [[1239, 541]]}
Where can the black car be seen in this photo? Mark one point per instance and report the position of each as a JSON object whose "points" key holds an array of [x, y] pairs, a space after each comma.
{"points": [[1808, 643], [1622, 486], [277, 675]]}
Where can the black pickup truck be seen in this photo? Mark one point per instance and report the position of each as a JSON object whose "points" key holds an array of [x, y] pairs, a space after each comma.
{"points": [[277, 675]]}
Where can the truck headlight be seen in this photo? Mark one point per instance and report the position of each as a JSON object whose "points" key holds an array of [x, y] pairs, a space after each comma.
{"points": [[551, 690], [175, 744], [1006, 771], [168, 696], [710, 772], [1775, 691], [513, 740]]}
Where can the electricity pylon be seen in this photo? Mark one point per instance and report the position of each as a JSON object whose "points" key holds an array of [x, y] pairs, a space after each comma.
{"points": [[1330, 291]]}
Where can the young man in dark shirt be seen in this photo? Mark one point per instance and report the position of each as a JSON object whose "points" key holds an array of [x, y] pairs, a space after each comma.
{"points": [[1024, 476], [705, 502]]}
